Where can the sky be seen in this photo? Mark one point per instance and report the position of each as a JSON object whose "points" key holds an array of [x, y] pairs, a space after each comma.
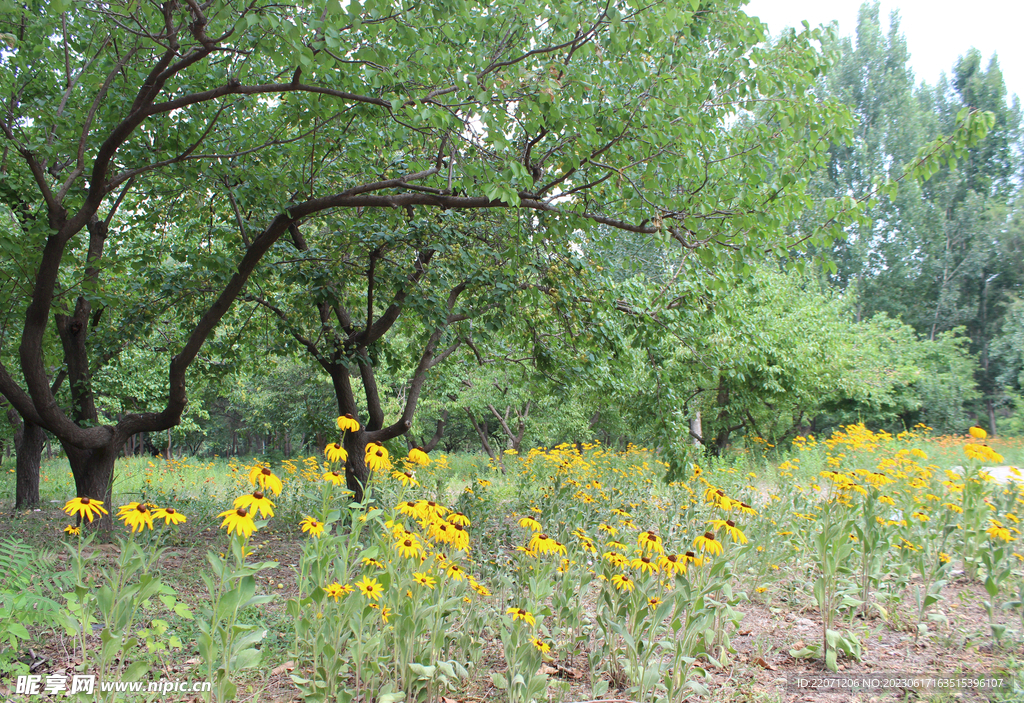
{"points": [[937, 31]]}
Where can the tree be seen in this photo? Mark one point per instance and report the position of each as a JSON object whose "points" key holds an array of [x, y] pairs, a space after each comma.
{"points": [[280, 117]]}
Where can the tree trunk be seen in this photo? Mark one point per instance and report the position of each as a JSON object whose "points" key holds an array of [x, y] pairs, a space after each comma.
{"points": [[357, 473], [481, 431], [695, 430], [28, 450], [94, 476]]}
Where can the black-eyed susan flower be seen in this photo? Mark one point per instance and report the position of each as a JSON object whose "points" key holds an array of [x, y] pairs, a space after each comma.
{"points": [[730, 528], [707, 543], [367, 561], [459, 538], [458, 519], [334, 478], [407, 478], [347, 423], [239, 521], [85, 508], [481, 590], [409, 547], [424, 580], [978, 432], [649, 541], [255, 503], [672, 563], [653, 602], [170, 516], [521, 614], [377, 457], [335, 452], [336, 590], [997, 531], [263, 477], [456, 572], [370, 588], [73, 530], [418, 456], [314, 527], [138, 518], [645, 565], [530, 524], [622, 583], [608, 529], [615, 559], [540, 644], [542, 544]]}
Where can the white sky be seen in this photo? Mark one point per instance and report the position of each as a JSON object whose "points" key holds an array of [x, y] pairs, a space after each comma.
{"points": [[937, 31]]}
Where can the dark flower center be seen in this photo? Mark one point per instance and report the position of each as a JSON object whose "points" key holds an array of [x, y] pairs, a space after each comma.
{"points": [[730, 523], [690, 555], [169, 511], [407, 543], [266, 472], [85, 501], [257, 495], [709, 535], [241, 512]]}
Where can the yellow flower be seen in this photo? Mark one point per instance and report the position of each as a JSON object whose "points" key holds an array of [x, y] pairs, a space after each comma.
{"points": [[608, 528], [170, 516], [418, 456], [543, 544], [455, 572], [645, 565], [622, 582], [424, 580], [367, 561], [978, 432], [541, 645], [377, 457], [649, 540], [335, 452], [336, 590], [256, 503], [672, 563], [481, 590], [409, 547], [86, 508], [653, 602], [708, 543], [73, 530], [347, 423], [335, 478], [370, 588], [314, 527], [239, 521], [406, 477], [520, 614], [138, 517], [529, 523], [458, 519], [997, 531], [266, 479]]}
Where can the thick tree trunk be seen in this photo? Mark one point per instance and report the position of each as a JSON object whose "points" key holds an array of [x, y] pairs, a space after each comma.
{"points": [[94, 476]]}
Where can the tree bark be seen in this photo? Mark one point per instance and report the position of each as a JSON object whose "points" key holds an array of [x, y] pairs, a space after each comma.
{"points": [[93, 470], [28, 450]]}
